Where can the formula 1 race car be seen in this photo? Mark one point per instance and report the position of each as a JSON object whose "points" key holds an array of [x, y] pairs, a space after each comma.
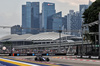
{"points": [[40, 58]]}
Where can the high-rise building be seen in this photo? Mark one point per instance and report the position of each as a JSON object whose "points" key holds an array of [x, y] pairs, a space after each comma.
{"points": [[48, 9], [16, 30], [30, 17], [90, 2], [54, 22], [82, 8], [50, 23], [35, 17], [73, 23], [71, 12], [64, 22], [76, 24], [57, 21], [40, 20], [24, 25], [26, 16]]}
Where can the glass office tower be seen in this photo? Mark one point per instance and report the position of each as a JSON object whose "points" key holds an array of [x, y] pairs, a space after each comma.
{"points": [[30, 17], [48, 9], [54, 22], [57, 21]]}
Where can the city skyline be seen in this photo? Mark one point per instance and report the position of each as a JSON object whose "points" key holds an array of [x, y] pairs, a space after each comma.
{"points": [[12, 16], [10, 12]]}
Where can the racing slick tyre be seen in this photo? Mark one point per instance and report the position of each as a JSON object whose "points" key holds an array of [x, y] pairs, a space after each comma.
{"points": [[36, 59], [47, 59]]}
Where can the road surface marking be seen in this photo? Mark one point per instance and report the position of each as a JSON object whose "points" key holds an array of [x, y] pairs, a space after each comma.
{"points": [[32, 61], [16, 62]]}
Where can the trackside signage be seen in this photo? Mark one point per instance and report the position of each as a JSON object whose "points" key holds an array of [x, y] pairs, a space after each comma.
{"points": [[89, 57], [95, 57], [4, 54], [85, 56]]}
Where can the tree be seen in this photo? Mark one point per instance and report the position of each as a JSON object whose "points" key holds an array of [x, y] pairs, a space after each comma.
{"points": [[90, 15]]}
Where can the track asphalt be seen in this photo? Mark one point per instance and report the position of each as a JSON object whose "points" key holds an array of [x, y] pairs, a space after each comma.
{"points": [[6, 61]]}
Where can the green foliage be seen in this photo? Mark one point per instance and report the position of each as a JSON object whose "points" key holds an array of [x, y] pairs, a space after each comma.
{"points": [[90, 15]]}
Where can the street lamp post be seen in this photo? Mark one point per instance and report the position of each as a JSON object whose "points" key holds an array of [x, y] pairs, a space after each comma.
{"points": [[60, 31], [82, 41], [60, 40]]}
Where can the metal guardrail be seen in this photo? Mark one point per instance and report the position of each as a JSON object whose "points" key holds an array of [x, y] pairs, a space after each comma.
{"points": [[51, 45]]}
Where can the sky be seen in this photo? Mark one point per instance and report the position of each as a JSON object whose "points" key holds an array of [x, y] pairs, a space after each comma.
{"points": [[11, 10]]}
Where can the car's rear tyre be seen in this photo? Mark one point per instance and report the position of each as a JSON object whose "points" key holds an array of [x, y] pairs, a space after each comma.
{"points": [[47, 59], [35, 59]]}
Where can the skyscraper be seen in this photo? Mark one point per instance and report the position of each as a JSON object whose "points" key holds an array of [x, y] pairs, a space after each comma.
{"points": [[48, 9], [82, 8], [40, 20], [69, 16], [64, 22], [35, 17], [76, 24], [73, 23], [24, 25], [57, 21], [54, 22], [30, 17]]}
